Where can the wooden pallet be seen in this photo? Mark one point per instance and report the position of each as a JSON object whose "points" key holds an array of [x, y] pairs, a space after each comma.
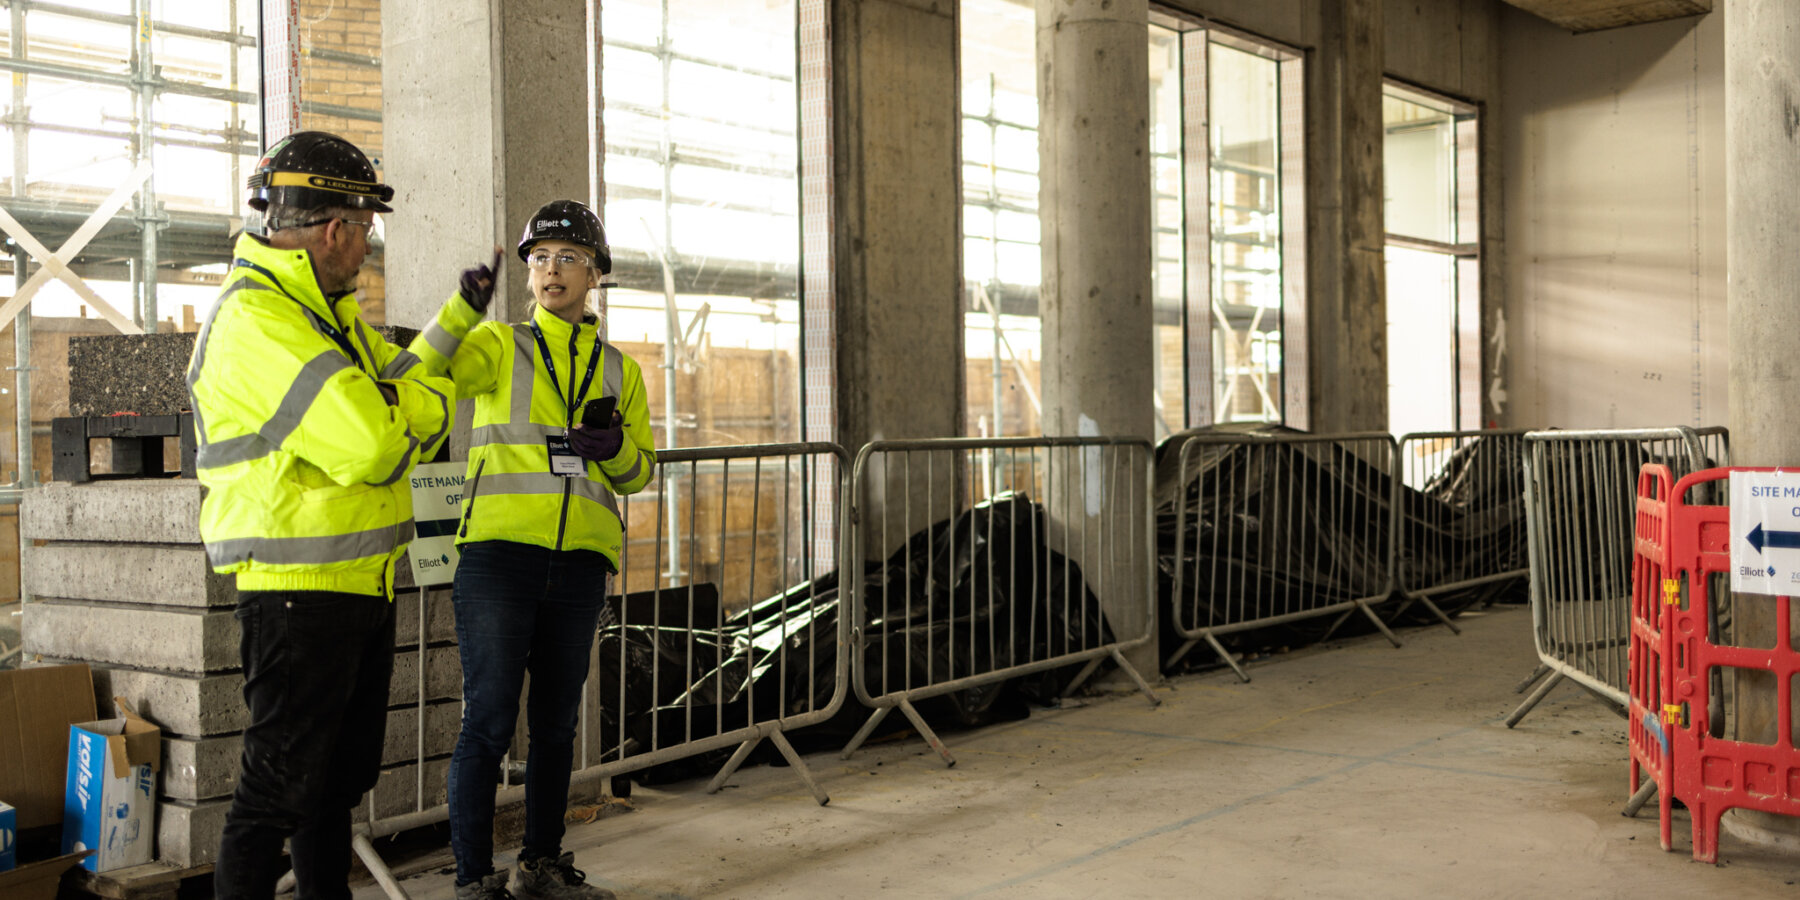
{"points": [[150, 881]]}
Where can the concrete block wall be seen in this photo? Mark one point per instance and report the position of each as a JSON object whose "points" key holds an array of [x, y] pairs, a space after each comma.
{"points": [[122, 583]]}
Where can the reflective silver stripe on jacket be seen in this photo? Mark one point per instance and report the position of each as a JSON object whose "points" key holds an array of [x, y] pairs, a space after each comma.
{"points": [[310, 550], [527, 434], [443, 405], [406, 461], [299, 398], [402, 363], [524, 371], [637, 465], [439, 338], [545, 483], [613, 381], [362, 337], [198, 363]]}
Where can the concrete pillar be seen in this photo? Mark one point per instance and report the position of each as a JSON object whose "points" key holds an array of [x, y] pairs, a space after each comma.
{"points": [[1346, 240], [485, 110], [1762, 137], [898, 261], [1093, 145], [896, 253]]}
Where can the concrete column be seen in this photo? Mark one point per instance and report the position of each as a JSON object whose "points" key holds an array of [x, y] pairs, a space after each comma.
{"points": [[897, 256], [1348, 337], [484, 106], [1093, 144], [1762, 149]]}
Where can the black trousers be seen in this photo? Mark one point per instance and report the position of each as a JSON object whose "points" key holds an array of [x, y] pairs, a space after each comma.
{"points": [[316, 671]]}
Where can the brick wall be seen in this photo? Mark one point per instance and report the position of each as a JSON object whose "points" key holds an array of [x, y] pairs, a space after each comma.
{"points": [[352, 27]]}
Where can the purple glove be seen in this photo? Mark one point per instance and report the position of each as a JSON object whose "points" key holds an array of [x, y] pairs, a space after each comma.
{"points": [[596, 444], [477, 285]]}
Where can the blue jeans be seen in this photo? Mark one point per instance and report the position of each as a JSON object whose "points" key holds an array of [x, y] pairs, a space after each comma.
{"points": [[519, 608], [316, 670]]}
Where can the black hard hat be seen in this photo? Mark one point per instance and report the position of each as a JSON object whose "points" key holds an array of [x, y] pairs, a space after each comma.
{"points": [[572, 221], [310, 169]]}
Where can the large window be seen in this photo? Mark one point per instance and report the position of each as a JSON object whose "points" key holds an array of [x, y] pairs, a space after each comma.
{"points": [[1228, 223], [1002, 263], [702, 190], [702, 207], [1227, 148], [100, 88], [1433, 263]]}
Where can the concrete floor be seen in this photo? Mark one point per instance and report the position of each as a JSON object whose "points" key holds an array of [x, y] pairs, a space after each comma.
{"points": [[1351, 770]]}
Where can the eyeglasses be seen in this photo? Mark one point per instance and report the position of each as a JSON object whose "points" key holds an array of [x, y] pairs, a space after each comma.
{"points": [[373, 230], [564, 260]]}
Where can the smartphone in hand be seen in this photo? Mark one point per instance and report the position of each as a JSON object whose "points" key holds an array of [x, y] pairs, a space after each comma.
{"points": [[598, 413]]}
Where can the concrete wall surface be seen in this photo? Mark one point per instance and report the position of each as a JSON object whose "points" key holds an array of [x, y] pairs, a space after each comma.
{"points": [[1614, 154]]}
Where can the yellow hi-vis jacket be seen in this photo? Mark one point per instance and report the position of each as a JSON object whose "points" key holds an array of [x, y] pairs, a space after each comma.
{"points": [[303, 459], [511, 494]]}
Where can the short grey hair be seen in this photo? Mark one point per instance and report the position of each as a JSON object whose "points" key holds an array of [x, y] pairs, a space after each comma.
{"points": [[279, 217]]}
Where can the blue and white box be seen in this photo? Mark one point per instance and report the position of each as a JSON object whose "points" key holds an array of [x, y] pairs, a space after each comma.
{"points": [[109, 800], [9, 837]]}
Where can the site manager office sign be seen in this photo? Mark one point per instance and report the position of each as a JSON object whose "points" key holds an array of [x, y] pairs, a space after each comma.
{"points": [[1765, 532], [437, 509]]}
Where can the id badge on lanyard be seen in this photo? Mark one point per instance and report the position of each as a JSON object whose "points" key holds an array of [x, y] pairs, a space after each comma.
{"points": [[564, 461]]}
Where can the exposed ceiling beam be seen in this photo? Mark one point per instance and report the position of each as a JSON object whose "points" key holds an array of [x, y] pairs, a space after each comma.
{"points": [[1593, 15]]}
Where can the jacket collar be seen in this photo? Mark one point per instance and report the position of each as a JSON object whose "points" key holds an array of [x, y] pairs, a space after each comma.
{"points": [[293, 271], [554, 326]]}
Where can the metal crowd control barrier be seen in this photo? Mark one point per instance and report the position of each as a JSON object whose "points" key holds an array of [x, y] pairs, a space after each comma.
{"points": [[744, 517], [1303, 526], [956, 620], [1579, 509], [1456, 534]]}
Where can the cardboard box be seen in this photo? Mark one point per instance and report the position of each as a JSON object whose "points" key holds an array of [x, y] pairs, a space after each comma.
{"points": [[109, 803], [9, 837], [38, 880], [37, 706]]}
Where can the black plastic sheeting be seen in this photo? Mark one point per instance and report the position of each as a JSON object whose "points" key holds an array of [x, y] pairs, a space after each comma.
{"points": [[1320, 545], [940, 601]]}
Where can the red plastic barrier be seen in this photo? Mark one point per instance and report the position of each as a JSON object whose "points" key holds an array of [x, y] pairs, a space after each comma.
{"points": [[1712, 774], [1652, 591]]}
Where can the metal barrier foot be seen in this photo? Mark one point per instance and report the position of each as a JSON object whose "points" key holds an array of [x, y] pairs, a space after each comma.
{"points": [[1435, 610], [1227, 657], [1082, 676], [1335, 623], [1439, 612], [926, 732], [1133, 672], [1537, 695], [731, 765], [378, 868], [1531, 679], [1368, 611], [1637, 801], [1181, 652], [798, 765], [862, 734]]}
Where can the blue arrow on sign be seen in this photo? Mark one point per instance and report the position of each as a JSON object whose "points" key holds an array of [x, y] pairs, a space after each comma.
{"points": [[1773, 539]]}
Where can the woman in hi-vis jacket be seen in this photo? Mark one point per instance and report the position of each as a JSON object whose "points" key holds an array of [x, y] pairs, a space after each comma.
{"points": [[560, 429]]}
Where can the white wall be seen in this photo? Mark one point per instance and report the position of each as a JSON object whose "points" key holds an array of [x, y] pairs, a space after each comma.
{"points": [[1614, 193]]}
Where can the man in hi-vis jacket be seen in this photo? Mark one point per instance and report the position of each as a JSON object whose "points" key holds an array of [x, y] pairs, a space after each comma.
{"points": [[308, 423]]}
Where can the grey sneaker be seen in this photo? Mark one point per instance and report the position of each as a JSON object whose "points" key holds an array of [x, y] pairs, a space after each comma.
{"points": [[556, 879], [489, 887]]}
